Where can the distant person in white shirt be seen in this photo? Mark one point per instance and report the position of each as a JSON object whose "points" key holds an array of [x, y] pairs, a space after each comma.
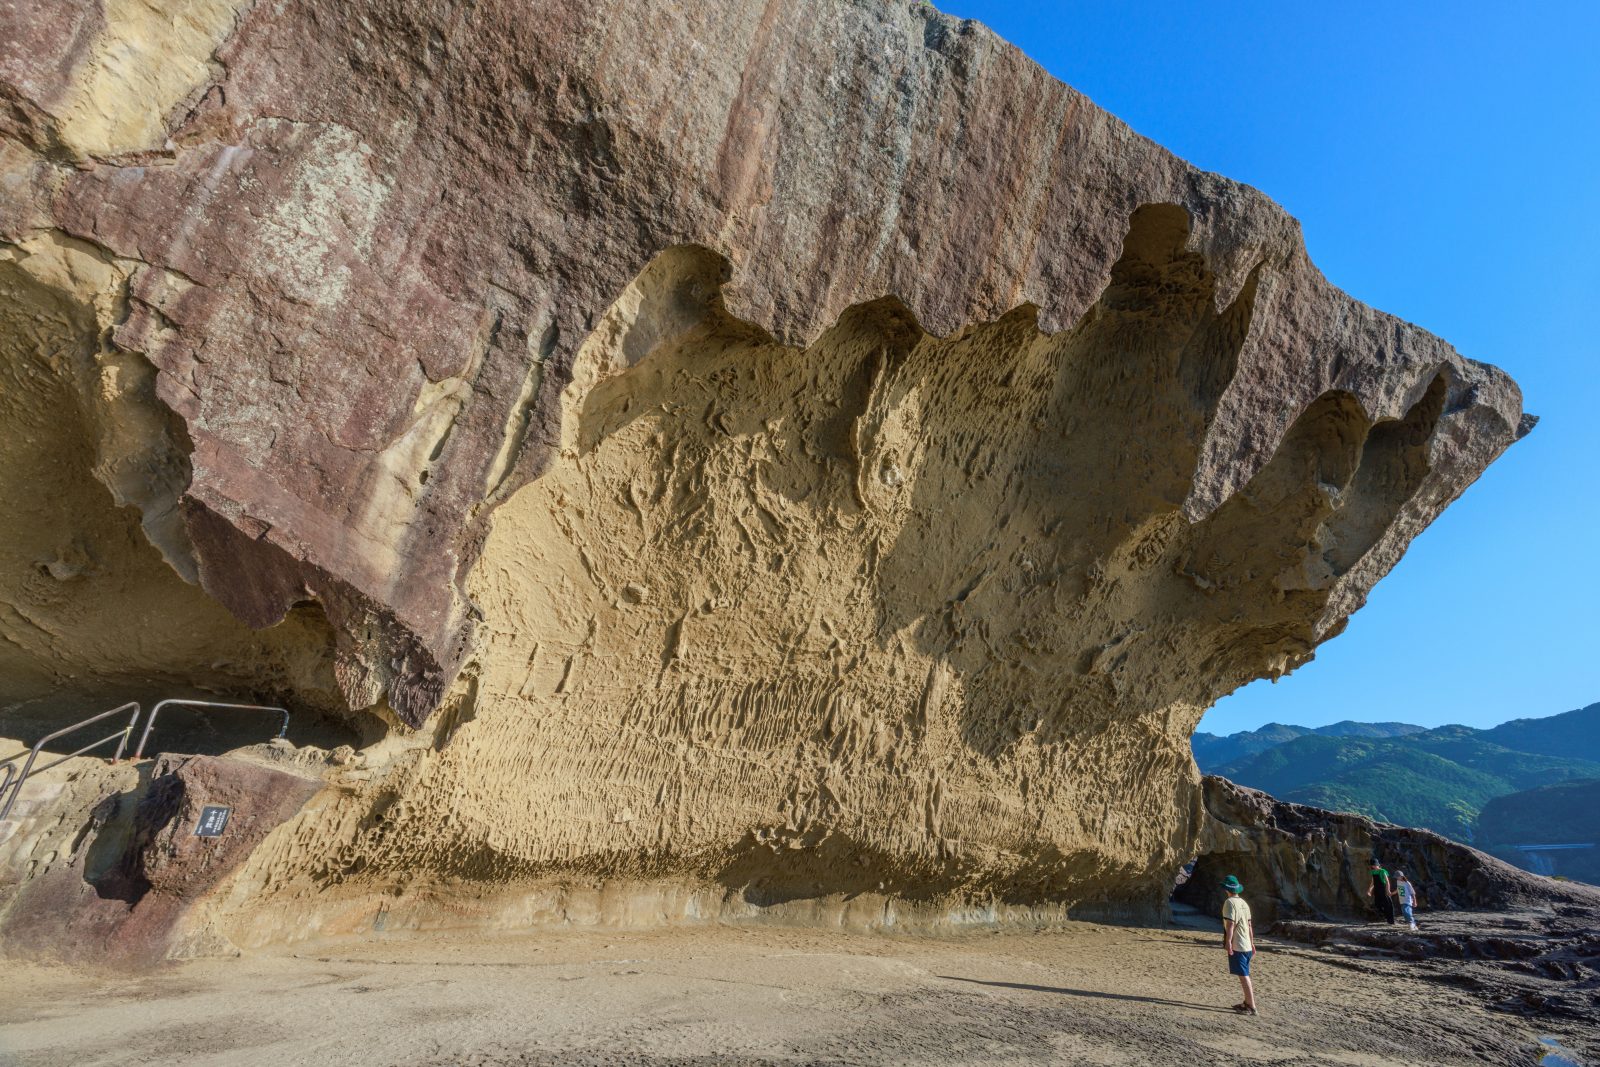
{"points": [[1239, 938], [1407, 895]]}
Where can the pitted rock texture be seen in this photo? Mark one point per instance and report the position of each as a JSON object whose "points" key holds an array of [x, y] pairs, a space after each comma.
{"points": [[1299, 862], [804, 449]]}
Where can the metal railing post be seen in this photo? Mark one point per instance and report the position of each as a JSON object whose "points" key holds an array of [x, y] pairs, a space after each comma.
{"points": [[10, 765], [127, 732], [150, 723]]}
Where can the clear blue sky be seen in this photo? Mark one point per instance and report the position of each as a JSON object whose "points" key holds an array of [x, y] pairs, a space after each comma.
{"points": [[1444, 159]]}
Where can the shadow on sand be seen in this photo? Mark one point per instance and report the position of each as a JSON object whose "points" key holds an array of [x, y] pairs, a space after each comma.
{"points": [[1090, 993], [1191, 943]]}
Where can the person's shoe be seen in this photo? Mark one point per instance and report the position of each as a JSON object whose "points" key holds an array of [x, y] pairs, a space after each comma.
{"points": [[1245, 1009]]}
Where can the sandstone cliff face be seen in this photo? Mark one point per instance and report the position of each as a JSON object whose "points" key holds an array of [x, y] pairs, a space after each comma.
{"points": [[762, 451]]}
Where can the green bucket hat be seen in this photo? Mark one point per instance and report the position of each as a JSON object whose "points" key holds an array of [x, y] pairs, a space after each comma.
{"points": [[1232, 884]]}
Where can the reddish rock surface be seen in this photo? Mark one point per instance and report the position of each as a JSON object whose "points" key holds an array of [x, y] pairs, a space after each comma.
{"points": [[367, 238], [131, 876]]}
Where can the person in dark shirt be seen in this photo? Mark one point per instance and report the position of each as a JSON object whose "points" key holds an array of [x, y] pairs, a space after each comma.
{"points": [[1379, 891]]}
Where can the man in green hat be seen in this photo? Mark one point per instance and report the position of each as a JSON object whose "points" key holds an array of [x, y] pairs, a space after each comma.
{"points": [[1239, 938]]}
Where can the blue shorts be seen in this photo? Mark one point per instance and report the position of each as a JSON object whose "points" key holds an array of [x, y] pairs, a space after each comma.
{"points": [[1239, 963], [1405, 909]]}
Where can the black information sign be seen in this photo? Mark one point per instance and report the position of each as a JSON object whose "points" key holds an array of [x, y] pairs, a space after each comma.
{"points": [[213, 820]]}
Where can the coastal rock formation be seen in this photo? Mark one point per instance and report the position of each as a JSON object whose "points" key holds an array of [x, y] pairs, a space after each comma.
{"points": [[769, 455], [1519, 942], [130, 883], [1299, 862]]}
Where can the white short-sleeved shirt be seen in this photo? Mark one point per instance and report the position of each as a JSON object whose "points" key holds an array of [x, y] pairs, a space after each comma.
{"points": [[1236, 910]]}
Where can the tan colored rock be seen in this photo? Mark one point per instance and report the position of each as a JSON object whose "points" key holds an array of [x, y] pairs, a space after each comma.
{"points": [[770, 457]]}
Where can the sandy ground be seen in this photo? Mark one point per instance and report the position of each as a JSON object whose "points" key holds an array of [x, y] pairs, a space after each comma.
{"points": [[750, 995]]}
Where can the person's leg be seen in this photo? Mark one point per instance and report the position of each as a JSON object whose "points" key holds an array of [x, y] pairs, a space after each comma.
{"points": [[1239, 964]]}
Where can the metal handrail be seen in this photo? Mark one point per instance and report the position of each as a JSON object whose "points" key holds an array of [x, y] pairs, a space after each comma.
{"points": [[10, 765], [27, 768], [149, 724]]}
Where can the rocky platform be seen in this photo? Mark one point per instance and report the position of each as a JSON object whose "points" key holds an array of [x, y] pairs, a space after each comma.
{"points": [[797, 457], [1514, 941], [1541, 964]]}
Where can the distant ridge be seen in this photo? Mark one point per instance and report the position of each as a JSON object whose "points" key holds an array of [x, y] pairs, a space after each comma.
{"points": [[1211, 751], [1572, 733], [1440, 779]]}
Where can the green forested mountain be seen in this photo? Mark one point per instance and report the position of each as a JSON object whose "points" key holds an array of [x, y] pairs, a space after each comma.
{"points": [[1440, 779], [1562, 814], [1213, 750], [1574, 733], [1549, 815]]}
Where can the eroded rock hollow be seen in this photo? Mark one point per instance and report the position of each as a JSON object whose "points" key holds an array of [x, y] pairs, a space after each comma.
{"points": [[723, 457]]}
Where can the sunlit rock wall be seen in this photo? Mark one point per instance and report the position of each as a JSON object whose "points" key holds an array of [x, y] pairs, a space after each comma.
{"points": [[755, 455]]}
